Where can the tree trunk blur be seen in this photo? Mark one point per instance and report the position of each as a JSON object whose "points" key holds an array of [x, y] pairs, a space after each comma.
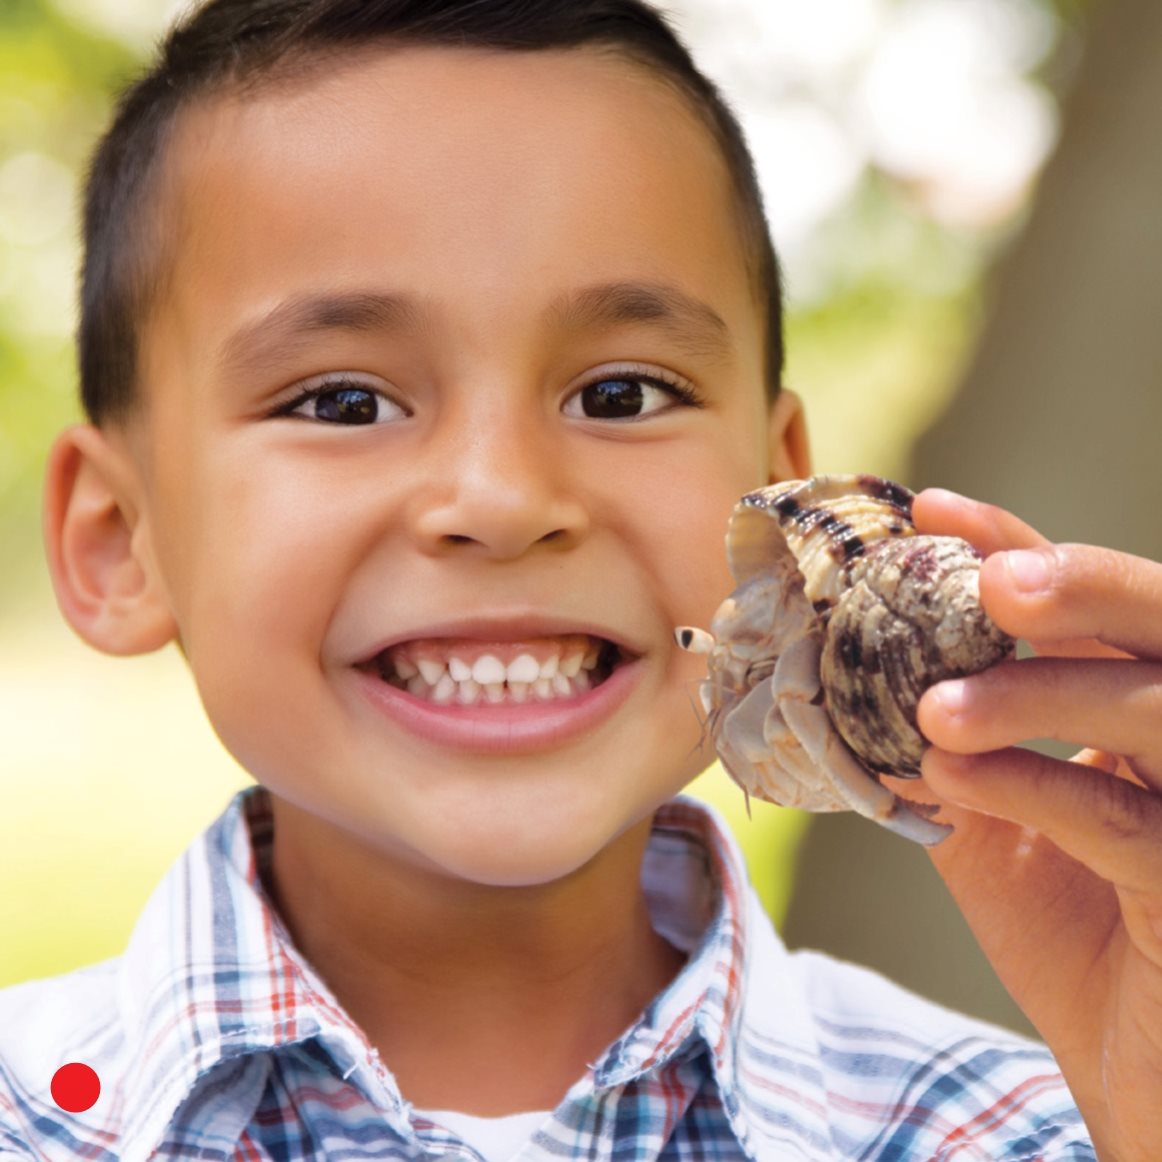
{"points": [[1059, 418]]}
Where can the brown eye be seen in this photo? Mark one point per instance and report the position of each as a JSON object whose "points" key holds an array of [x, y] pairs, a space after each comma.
{"points": [[347, 405], [343, 403], [627, 397], [612, 399]]}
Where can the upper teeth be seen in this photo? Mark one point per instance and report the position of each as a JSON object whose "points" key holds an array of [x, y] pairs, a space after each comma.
{"points": [[487, 677], [489, 669]]}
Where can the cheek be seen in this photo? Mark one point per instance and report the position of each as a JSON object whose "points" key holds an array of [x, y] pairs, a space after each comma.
{"points": [[685, 524], [261, 558]]}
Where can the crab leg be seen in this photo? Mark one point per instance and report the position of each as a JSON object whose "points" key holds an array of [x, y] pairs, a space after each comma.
{"points": [[797, 682], [761, 752]]}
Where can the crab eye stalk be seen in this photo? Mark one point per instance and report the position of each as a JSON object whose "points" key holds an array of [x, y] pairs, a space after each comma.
{"points": [[696, 641]]}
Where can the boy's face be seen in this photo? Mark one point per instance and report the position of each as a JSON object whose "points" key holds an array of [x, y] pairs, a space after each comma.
{"points": [[433, 224]]}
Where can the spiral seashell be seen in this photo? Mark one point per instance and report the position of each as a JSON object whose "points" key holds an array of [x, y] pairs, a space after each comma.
{"points": [[842, 617]]}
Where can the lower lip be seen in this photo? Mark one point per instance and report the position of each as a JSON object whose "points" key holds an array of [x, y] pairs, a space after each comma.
{"points": [[506, 727]]}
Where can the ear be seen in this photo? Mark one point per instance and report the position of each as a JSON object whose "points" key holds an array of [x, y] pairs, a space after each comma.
{"points": [[790, 451], [97, 543]]}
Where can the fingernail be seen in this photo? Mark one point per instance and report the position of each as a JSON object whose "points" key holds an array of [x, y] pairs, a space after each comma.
{"points": [[1029, 569], [948, 496], [952, 695]]}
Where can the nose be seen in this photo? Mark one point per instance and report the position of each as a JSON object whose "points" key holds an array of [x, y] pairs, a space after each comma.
{"points": [[500, 484]]}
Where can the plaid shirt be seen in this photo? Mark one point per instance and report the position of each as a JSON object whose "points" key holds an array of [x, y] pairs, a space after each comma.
{"points": [[215, 1039]]}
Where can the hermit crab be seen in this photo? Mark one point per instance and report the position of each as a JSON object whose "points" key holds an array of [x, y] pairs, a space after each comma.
{"points": [[842, 617]]}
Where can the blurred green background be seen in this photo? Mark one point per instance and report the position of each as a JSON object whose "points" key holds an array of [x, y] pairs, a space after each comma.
{"points": [[906, 149]]}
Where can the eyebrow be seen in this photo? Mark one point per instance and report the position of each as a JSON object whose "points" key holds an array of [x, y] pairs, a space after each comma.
{"points": [[688, 322], [257, 344]]}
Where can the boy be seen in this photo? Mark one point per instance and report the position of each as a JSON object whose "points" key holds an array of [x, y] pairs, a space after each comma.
{"points": [[516, 248]]}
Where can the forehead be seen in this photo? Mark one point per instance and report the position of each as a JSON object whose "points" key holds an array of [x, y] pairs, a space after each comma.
{"points": [[496, 178]]}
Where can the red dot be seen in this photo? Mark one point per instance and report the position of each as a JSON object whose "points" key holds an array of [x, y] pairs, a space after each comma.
{"points": [[75, 1087]]}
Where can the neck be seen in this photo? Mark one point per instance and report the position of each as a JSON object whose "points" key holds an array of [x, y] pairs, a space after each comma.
{"points": [[449, 978]]}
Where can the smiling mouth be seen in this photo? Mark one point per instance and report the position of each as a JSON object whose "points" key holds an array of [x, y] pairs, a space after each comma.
{"points": [[451, 672]]}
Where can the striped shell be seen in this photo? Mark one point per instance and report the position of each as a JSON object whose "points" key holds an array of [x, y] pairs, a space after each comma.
{"points": [[843, 616]]}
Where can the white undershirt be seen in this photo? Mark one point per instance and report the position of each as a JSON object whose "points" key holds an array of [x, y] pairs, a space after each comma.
{"points": [[494, 1139]]}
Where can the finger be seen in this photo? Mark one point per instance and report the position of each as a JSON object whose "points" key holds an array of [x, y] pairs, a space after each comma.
{"points": [[1110, 825], [1112, 764], [1077, 591], [1100, 760], [1109, 704], [987, 527]]}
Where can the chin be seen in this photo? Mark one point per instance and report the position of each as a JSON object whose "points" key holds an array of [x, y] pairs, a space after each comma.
{"points": [[525, 870], [526, 850]]}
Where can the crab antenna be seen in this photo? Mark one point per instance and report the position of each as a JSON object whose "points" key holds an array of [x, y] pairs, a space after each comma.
{"points": [[697, 641]]}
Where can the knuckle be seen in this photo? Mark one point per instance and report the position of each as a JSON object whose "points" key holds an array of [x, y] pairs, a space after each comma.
{"points": [[1120, 809]]}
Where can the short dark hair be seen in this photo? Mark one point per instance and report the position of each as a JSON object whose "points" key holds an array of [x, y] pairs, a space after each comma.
{"points": [[225, 44]]}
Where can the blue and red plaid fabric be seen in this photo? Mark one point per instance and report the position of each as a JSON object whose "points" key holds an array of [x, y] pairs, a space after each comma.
{"points": [[215, 1039]]}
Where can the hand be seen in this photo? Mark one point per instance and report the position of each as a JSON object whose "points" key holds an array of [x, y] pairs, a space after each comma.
{"points": [[1058, 865]]}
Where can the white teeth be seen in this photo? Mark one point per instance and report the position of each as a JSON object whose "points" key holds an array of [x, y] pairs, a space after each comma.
{"points": [[488, 670], [526, 668], [488, 679], [570, 664]]}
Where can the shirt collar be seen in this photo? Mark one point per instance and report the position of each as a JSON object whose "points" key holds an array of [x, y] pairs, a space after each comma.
{"points": [[695, 883], [211, 973], [738, 1001]]}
